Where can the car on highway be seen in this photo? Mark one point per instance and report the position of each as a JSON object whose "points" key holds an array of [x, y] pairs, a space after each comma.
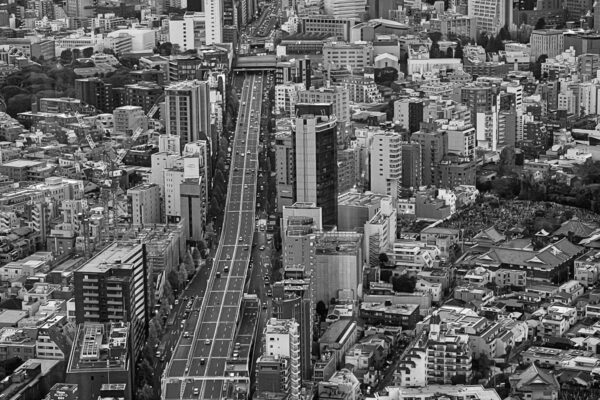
{"points": [[207, 342], [226, 269], [196, 391], [264, 306], [218, 274], [269, 293], [241, 239], [202, 361], [186, 334], [261, 248]]}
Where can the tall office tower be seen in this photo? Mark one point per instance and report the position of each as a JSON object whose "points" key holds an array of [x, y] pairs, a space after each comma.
{"points": [[491, 15], [483, 103], [193, 208], [434, 147], [315, 152], [143, 202], [113, 287], [187, 111], [95, 92], [336, 95], [229, 13], [409, 113], [292, 299], [507, 127], [285, 169], [386, 163], [214, 21], [282, 339], [345, 8], [412, 168], [80, 8], [517, 89]]}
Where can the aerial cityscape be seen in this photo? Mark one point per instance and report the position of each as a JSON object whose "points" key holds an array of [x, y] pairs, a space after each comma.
{"points": [[299, 200]]}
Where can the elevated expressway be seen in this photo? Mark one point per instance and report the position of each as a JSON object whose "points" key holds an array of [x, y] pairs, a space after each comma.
{"points": [[199, 368]]}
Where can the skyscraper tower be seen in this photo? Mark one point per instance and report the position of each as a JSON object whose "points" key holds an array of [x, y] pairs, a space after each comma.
{"points": [[188, 111], [315, 152], [214, 21]]}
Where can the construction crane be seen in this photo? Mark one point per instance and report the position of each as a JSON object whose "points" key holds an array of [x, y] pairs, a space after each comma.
{"points": [[120, 156], [88, 135]]}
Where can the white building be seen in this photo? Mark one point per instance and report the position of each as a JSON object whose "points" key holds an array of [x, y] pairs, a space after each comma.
{"points": [[380, 231], [386, 163], [461, 138], [141, 39], [214, 21], [282, 339], [344, 8], [286, 97], [491, 15]]}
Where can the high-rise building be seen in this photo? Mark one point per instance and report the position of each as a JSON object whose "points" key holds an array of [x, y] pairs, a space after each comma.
{"points": [[193, 209], [282, 339], [80, 8], [434, 147], [412, 168], [336, 95], [302, 221], [380, 231], [448, 355], [315, 153], [386, 163], [491, 15], [547, 42], [292, 299], [338, 273], [285, 169], [344, 8], [95, 92], [128, 119], [409, 113], [143, 202], [187, 111], [143, 94], [186, 31], [214, 21], [113, 287], [461, 139]]}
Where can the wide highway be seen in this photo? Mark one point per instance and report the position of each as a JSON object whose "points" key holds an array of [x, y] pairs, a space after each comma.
{"points": [[197, 369]]}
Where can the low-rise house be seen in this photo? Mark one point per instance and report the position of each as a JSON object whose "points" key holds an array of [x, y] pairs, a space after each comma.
{"points": [[535, 383], [587, 268]]}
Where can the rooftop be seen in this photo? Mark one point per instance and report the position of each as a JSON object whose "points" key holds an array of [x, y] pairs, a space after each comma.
{"points": [[100, 347], [112, 256], [400, 309]]}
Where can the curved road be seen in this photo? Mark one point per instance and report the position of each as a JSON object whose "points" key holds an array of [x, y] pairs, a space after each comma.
{"points": [[198, 368]]}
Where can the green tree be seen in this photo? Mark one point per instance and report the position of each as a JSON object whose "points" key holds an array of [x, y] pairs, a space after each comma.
{"points": [[435, 36], [540, 24], [482, 40], [537, 66], [145, 393], [383, 259], [165, 49], [434, 51], [404, 283], [458, 52], [507, 161], [88, 52], [18, 104], [173, 279], [504, 33], [322, 310], [66, 56], [188, 261]]}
